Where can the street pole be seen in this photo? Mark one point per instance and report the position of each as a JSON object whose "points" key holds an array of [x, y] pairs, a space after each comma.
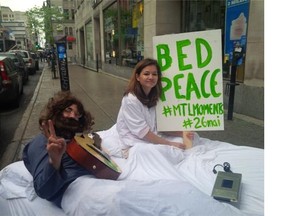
{"points": [[237, 54], [232, 85], [119, 33]]}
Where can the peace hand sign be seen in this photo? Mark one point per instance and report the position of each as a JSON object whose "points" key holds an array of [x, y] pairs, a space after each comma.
{"points": [[55, 147]]}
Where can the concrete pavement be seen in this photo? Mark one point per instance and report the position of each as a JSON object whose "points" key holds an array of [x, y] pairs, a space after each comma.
{"points": [[101, 94]]}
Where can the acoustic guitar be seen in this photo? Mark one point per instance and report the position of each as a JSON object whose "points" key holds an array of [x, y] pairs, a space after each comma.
{"points": [[84, 152]]}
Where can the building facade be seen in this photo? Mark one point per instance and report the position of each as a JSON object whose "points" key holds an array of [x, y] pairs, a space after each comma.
{"points": [[18, 30], [14, 30], [66, 27], [7, 39], [115, 34], [6, 14]]}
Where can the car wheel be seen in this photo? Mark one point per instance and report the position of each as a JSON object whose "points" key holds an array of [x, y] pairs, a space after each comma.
{"points": [[21, 91], [33, 71], [26, 77], [16, 102]]}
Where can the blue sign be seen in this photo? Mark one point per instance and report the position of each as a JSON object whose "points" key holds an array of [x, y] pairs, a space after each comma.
{"points": [[63, 66], [237, 14], [61, 50]]}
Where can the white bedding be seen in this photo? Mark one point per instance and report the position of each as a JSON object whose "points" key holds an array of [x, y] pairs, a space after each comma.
{"points": [[155, 180]]}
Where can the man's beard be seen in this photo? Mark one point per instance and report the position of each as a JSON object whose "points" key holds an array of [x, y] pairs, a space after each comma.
{"points": [[67, 127]]}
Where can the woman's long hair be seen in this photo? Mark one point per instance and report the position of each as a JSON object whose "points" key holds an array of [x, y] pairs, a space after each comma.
{"points": [[135, 87]]}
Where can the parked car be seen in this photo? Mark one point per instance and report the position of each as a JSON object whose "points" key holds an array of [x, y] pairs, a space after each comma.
{"points": [[36, 58], [11, 85], [28, 58], [20, 63]]}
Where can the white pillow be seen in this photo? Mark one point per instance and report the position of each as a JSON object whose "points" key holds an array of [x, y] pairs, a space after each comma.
{"points": [[16, 182], [110, 141]]}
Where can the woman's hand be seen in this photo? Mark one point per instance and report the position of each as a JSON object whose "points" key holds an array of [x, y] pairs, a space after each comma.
{"points": [[177, 145], [56, 147], [189, 135]]}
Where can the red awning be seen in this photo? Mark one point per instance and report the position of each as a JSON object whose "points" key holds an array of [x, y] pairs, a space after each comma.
{"points": [[70, 38]]}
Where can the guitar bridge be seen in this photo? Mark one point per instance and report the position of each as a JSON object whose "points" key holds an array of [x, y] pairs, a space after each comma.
{"points": [[96, 138], [102, 153]]}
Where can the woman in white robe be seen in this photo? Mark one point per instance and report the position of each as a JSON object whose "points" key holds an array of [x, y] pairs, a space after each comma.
{"points": [[136, 122]]}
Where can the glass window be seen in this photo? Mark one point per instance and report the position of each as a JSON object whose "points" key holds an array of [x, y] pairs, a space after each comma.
{"points": [[110, 25], [73, 14], [124, 37], [66, 14], [89, 39], [205, 15], [70, 31], [66, 30], [70, 47]]}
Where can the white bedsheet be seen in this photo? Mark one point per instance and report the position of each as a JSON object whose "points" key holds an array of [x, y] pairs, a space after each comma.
{"points": [[149, 198], [155, 180]]}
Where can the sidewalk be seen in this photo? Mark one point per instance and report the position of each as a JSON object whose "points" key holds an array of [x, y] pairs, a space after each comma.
{"points": [[101, 94]]}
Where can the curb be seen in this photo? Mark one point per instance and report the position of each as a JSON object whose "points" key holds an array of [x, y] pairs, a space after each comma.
{"points": [[255, 121]]}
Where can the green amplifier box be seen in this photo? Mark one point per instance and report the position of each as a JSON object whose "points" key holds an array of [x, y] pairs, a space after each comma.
{"points": [[227, 186]]}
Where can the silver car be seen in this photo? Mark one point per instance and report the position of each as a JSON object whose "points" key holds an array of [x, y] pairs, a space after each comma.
{"points": [[29, 60]]}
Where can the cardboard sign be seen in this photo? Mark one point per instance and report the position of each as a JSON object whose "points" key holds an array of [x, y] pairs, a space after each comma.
{"points": [[192, 94]]}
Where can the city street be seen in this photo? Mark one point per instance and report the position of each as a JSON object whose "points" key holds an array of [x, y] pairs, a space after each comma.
{"points": [[101, 94], [11, 117]]}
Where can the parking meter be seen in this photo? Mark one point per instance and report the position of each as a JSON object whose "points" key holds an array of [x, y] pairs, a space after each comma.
{"points": [[237, 55]]}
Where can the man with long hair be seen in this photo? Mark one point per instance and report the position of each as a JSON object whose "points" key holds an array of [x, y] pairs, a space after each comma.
{"points": [[45, 155]]}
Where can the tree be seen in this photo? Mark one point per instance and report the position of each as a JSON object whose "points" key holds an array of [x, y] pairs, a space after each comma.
{"points": [[41, 19]]}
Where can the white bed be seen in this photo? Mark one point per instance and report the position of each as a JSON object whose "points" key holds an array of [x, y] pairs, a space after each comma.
{"points": [[149, 184]]}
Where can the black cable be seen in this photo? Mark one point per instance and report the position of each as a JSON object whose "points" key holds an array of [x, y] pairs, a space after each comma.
{"points": [[225, 166]]}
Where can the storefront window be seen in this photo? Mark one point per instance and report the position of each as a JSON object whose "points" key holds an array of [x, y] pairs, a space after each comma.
{"points": [[205, 15], [89, 40], [110, 26], [123, 28]]}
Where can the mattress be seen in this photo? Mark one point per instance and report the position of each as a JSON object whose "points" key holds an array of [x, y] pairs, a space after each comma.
{"points": [[155, 180]]}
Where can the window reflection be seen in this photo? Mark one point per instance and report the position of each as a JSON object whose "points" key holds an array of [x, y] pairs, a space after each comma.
{"points": [[123, 30]]}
